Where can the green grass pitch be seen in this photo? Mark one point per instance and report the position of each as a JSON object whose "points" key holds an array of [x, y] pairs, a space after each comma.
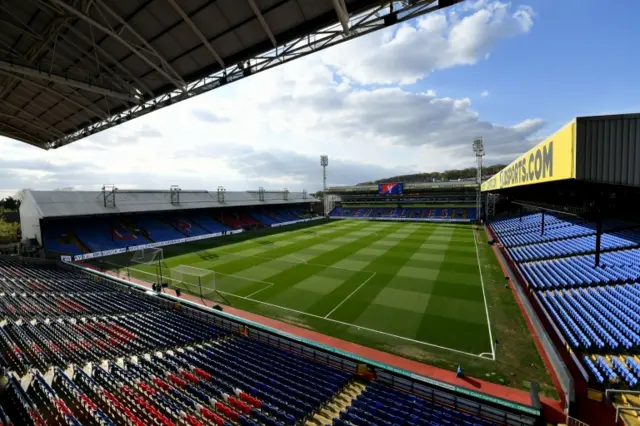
{"points": [[425, 291]]}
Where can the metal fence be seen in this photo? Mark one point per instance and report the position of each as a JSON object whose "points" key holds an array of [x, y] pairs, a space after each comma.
{"points": [[572, 421]]}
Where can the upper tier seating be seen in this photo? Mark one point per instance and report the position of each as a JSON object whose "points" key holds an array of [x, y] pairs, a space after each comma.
{"points": [[575, 246], [615, 267], [513, 232]]}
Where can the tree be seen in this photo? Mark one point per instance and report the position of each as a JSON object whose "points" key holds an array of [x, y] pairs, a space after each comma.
{"points": [[447, 175], [8, 230], [10, 204]]}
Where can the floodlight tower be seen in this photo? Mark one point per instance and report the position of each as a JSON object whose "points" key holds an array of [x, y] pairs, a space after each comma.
{"points": [[478, 149], [324, 162]]}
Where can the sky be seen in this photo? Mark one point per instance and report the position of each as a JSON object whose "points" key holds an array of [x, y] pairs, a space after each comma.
{"points": [[403, 100]]}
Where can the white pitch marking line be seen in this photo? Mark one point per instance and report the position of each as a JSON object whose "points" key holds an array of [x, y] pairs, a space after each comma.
{"points": [[278, 259], [484, 296], [298, 257], [352, 293], [258, 291], [371, 330]]}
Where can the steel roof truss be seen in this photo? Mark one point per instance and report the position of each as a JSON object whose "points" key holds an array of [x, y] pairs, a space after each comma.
{"points": [[365, 23], [263, 23], [197, 32]]}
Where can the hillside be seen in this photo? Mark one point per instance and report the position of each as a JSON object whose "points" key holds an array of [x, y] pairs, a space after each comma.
{"points": [[448, 175]]}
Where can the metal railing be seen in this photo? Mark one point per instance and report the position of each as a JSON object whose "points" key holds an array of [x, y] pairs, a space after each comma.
{"points": [[572, 421]]}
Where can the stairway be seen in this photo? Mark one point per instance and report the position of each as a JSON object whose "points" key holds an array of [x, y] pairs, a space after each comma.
{"points": [[75, 240], [339, 403], [132, 230], [630, 418]]}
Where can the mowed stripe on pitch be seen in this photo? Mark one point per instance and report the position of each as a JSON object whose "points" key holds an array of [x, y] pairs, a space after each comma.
{"points": [[426, 284]]}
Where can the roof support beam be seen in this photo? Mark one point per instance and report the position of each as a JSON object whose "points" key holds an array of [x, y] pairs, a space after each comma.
{"points": [[343, 15], [48, 35], [100, 113], [53, 132], [264, 24], [198, 33], [27, 114], [31, 72], [177, 82], [4, 125], [142, 86], [176, 75]]}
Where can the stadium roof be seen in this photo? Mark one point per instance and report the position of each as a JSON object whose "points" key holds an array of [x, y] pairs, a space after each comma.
{"points": [[52, 204], [72, 68], [601, 149]]}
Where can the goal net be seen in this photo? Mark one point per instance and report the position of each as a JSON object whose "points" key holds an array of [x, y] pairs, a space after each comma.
{"points": [[192, 279], [148, 256]]}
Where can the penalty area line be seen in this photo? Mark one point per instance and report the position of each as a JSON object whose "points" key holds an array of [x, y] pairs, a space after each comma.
{"points": [[352, 293], [371, 330], [258, 291]]}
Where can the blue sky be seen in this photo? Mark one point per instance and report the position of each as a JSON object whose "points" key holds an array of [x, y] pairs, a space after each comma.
{"points": [[579, 59], [403, 100]]}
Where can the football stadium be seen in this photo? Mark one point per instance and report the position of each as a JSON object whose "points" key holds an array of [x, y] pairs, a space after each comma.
{"points": [[503, 299]]}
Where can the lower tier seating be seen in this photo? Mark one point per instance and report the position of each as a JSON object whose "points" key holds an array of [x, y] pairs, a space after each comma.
{"points": [[97, 353], [380, 404], [596, 309], [99, 234], [443, 213]]}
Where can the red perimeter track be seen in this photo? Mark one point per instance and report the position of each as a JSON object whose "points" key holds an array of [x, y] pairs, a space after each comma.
{"points": [[551, 409]]}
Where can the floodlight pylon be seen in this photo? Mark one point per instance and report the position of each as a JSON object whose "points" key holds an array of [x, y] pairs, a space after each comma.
{"points": [[478, 149]]}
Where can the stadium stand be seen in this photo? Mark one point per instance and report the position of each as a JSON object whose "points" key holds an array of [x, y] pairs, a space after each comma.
{"points": [[405, 212], [99, 234], [98, 352], [596, 308]]}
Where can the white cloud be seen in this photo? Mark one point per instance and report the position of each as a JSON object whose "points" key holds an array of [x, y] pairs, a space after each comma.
{"points": [[438, 41], [484, 93], [270, 129]]}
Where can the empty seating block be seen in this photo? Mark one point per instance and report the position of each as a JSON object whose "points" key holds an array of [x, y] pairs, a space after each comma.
{"points": [[380, 404], [595, 308], [406, 212]]}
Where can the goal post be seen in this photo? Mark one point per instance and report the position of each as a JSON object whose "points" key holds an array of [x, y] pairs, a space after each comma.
{"points": [[147, 256], [193, 278], [153, 258], [197, 281]]}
